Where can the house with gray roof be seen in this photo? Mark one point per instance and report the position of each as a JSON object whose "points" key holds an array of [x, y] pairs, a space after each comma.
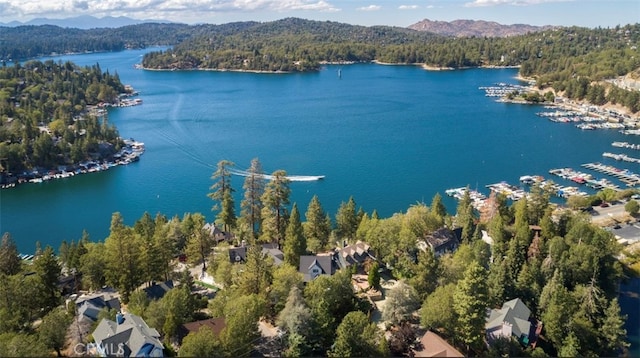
{"points": [[216, 233], [441, 241], [273, 250], [511, 320], [238, 254], [128, 336], [312, 266], [89, 306], [353, 254]]}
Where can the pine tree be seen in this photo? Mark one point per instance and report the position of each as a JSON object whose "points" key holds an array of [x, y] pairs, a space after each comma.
{"points": [[470, 306], [427, 271], [251, 205], [257, 275], [295, 244], [613, 333], [347, 220], [274, 213], [199, 243], [316, 228], [47, 268], [222, 194], [122, 254], [437, 207], [9, 259]]}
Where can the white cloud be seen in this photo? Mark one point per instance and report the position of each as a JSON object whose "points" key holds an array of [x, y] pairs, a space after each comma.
{"points": [[370, 8], [153, 8], [482, 3], [408, 7]]}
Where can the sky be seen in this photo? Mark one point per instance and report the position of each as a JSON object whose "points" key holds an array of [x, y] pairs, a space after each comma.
{"points": [[586, 13]]}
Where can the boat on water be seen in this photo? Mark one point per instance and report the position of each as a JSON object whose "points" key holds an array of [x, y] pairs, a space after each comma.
{"points": [[245, 173]]}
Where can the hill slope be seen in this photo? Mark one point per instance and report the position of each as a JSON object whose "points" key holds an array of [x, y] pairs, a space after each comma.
{"points": [[469, 28]]}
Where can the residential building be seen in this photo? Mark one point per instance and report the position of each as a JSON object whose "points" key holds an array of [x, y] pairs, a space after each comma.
{"points": [[432, 345], [158, 289], [128, 336], [216, 233], [312, 266], [238, 254], [511, 320], [215, 324], [441, 241], [273, 250], [353, 254], [89, 306]]}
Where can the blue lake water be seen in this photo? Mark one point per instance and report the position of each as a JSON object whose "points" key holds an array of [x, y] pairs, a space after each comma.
{"points": [[390, 136]]}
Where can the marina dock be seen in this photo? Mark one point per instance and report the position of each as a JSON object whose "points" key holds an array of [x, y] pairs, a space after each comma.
{"points": [[624, 175]]}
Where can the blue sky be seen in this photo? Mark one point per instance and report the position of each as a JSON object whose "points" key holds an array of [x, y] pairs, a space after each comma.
{"points": [[588, 13]]}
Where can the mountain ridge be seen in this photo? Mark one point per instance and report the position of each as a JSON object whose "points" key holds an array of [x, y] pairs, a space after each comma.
{"points": [[84, 22], [478, 28]]}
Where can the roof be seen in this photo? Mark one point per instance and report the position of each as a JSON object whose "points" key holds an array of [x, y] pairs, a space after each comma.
{"points": [[215, 232], [158, 290], [352, 254], [215, 324], [132, 333], [443, 239], [324, 262], [274, 252], [89, 306], [434, 346], [514, 313], [238, 254]]}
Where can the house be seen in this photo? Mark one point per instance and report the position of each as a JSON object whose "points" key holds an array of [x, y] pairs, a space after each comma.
{"points": [[238, 254], [215, 324], [441, 241], [353, 254], [158, 290], [511, 320], [274, 252], [89, 306], [215, 233], [432, 345], [312, 266], [128, 336]]}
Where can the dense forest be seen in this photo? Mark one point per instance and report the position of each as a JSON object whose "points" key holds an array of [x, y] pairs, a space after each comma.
{"points": [[564, 269], [44, 118], [573, 61]]}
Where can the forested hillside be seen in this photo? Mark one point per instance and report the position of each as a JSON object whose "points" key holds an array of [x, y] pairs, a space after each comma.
{"points": [[43, 114]]}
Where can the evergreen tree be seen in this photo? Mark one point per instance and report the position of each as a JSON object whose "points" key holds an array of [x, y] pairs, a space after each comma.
{"points": [[468, 224], [347, 220], [437, 207], [122, 254], [316, 228], [199, 243], [470, 307], [295, 316], [9, 259], [427, 272], [373, 277], [221, 194], [47, 268], [356, 337], [274, 213], [251, 205], [53, 329], [295, 243], [613, 333], [93, 266], [257, 274]]}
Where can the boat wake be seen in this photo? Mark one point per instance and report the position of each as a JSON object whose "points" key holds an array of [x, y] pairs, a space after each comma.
{"points": [[245, 173]]}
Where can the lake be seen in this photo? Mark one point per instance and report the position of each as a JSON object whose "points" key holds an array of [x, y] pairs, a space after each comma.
{"points": [[391, 136]]}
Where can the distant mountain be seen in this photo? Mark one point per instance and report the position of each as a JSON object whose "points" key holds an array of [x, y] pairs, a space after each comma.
{"points": [[84, 22], [479, 28]]}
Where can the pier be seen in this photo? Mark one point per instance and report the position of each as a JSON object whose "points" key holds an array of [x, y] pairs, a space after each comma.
{"points": [[624, 175]]}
